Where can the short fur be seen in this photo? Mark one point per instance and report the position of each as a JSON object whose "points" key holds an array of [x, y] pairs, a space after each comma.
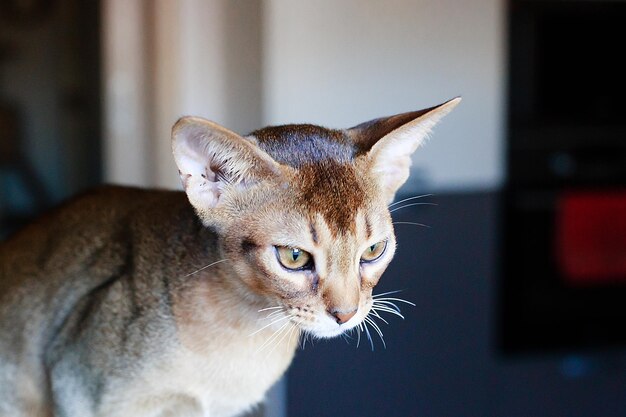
{"points": [[129, 302]]}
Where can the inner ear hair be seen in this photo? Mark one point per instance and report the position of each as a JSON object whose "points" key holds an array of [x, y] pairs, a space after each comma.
{"points": [[210, 157]]}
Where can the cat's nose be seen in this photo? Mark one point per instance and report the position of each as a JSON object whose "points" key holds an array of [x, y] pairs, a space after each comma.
{"points": [[343, 316]]}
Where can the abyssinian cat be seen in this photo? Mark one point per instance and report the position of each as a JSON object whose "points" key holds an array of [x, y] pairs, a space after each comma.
{"points": [[129, 302]]}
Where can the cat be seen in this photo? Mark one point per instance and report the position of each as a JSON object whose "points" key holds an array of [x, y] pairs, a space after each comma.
{"points": [[153, 303]]}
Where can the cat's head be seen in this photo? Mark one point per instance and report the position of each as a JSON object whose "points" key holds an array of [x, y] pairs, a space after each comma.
{"points": [[302, 210]]}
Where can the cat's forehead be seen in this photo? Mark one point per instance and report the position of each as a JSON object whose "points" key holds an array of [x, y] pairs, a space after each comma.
{"points": [[298, 145], [326, 181], [333, 190]]}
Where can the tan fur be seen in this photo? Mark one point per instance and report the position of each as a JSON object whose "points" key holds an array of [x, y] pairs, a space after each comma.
{"points": [[128, 302]]}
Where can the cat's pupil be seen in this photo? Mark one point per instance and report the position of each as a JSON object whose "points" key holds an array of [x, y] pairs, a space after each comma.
{"points": [[373, 247], [295, 254]]}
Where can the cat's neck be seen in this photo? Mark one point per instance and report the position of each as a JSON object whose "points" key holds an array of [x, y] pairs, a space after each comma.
{"points": [[208, 293], [243, 322]]}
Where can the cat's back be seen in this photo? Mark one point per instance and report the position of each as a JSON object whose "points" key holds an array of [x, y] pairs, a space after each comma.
{"points": [[53, 262], [61, 239], [60, 262]]}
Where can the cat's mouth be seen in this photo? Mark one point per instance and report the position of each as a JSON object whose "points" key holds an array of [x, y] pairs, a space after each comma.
{"points": [[326, 327]]}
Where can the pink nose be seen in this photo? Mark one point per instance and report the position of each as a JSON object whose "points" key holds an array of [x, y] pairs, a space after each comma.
{"points": [[342, 316]]}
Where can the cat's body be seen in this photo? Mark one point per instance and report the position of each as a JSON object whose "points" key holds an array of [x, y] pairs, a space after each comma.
{"points": [[128, 302], [99, 310]]}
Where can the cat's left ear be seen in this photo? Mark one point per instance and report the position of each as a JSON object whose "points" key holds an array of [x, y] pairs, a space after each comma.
{"points": [[389, 142]]}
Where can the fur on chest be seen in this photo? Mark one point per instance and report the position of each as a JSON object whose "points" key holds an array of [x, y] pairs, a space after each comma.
{"points": [[224, 379]]}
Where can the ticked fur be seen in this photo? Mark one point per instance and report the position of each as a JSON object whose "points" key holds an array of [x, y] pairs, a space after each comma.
{"points": [[136, 302]]}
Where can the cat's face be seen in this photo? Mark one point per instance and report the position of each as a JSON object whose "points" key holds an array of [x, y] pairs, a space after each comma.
{"points": [[302, 210], [319, 264]]}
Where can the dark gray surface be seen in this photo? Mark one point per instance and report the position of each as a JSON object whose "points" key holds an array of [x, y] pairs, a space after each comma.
{"points": [[442, 361]]}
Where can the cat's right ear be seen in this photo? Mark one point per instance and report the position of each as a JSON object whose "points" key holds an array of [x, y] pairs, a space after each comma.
{"points": [[211, 158], [389, 142]]}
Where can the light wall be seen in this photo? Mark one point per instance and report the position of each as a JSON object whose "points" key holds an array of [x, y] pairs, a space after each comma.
{"points": [[337, 63]]}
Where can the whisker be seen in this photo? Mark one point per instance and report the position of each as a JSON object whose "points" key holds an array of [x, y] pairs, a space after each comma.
{"points": [[205, 267], [410, 198], [304, 336], [410, 205], [269, 308], [375, 326], [386, 293], [270, 315], [375, 314], [369, 336], [414, 224], [386, 304], [282, 338], [272, 338], [270, 324], [387, 310], [395, 299], [294, 329]]}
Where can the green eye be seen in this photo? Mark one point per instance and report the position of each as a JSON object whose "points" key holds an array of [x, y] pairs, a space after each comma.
{"points": [[293, 258], [374, 251]]}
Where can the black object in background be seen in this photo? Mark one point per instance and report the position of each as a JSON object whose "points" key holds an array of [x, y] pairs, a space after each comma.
{"points": [[566, 136], [50, 123]]}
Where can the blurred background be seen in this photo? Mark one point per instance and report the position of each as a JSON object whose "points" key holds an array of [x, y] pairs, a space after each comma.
{"points": [[520, 279]]}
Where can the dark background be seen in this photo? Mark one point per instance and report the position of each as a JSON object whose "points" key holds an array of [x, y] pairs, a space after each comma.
{"points": [[444, 360]]}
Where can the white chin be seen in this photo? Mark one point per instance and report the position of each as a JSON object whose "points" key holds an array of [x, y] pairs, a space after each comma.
{"points": [[330, 331]]}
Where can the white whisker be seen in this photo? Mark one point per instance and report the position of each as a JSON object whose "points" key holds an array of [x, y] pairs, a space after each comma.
{"points": [[388, 310], [205, 267], [369, 336], [306, 336], [279, 341], [386, 293], [413, 223], [272, 314], [375, 326], [270, 308], [387, 304], [295, 330], [410, 205], [410, 198], [270, 324], [375, 313], [272, 338], [400, 300]]}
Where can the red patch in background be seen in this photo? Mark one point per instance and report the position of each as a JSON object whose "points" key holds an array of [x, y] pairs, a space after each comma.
{"points": [[591, 237]]}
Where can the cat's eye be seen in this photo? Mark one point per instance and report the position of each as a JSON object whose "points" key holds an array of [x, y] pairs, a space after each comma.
{"points": [[293, 258], [374, 251]]}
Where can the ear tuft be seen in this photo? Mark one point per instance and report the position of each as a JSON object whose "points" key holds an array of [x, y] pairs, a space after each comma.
{"points": [[389, 142], [211, 157]]}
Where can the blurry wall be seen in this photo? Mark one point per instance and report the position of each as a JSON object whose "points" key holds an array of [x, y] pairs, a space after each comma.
{"points": [[342, 63], [169, 58], [247, 64]]}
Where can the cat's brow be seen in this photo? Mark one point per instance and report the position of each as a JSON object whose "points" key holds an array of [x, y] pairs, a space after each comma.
{"points": [[368, 228]]}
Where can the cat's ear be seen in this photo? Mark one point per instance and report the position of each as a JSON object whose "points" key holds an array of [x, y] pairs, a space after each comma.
{"points": [[211, 157], [389, 142]]}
